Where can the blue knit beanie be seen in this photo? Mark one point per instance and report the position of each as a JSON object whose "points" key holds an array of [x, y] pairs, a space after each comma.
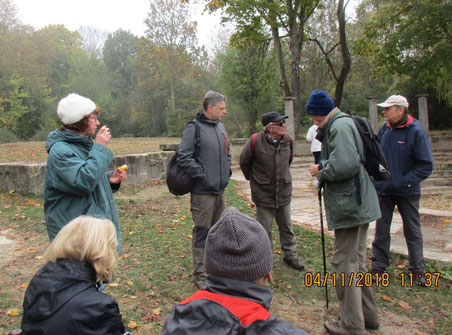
{"points": [[319, 103]]}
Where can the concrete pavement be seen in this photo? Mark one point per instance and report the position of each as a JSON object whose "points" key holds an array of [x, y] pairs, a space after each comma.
{"points": [[305, 212]]}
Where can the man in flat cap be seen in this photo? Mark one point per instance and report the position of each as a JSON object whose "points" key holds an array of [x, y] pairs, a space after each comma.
{"points": [[236, 300], [409, 156], [265, 161]]}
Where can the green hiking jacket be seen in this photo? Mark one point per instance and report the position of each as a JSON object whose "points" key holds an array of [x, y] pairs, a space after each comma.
{"points": [[342, 151], [77, 181]]}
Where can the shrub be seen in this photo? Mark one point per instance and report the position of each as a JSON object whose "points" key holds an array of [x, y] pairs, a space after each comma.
{"points": [[7, 136], [40, 135]]}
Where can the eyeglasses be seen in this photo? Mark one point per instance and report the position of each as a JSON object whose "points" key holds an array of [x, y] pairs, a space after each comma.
{"points": [[94, 118], [280, 124]]}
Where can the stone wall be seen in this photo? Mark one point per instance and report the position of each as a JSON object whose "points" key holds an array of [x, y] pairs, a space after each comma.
{"points": [[29, 178]]}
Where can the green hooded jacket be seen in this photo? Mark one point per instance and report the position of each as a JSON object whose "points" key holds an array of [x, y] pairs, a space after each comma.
{"points": [[342, 152], [77, 181]]}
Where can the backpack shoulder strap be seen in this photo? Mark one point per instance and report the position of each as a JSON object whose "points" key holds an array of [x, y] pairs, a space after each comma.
{"points": [[197, 137], [253, 142], [290, 143]]}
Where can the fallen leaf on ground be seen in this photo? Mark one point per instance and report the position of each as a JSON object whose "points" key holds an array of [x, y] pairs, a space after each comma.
{"points": [[132, 325], [13, 312], [386, 298], [404, 305]]}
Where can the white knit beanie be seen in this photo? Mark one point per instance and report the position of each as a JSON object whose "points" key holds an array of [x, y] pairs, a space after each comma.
{"points": [[74, 107], [238, 247]]}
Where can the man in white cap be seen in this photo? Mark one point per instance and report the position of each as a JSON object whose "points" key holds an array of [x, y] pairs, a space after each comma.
{"points": [[236, 301], [77, 181], [407, 150]]}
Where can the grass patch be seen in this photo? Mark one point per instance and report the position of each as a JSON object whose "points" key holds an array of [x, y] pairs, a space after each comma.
{"points": [[155, 268]]}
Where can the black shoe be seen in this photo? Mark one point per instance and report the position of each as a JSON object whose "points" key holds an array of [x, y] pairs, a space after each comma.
{"points": [[294, 263], [371, 326]]}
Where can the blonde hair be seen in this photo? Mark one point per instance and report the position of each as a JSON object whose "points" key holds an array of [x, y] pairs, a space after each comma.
{"points": [[87, 239]]}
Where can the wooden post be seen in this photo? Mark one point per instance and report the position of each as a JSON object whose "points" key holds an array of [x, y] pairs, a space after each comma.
{"points": [[423, 111], [373, 114], [290, 122]]}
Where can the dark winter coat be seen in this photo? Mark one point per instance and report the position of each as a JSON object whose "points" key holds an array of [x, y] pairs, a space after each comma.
{"points": [[77, 181], [268, 170], [409, 156], [62, 298], [227, 307], [212, 169], [342, 153]]}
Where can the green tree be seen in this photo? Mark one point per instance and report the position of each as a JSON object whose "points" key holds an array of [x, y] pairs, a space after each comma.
{"points": [[249, 77], [63, 48], [169, 71], [410, 37], [13, 106], [286, 21], [119, 54]]}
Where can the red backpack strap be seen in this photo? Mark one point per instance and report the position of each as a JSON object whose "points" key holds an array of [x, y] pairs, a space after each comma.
{"points": [[253, 142], [246, 310], [288, 139]]}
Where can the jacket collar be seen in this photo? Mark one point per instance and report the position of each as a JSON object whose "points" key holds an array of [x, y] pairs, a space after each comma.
{"points": [[67, 136], [201, 117], [240, 288], [410, 121]]}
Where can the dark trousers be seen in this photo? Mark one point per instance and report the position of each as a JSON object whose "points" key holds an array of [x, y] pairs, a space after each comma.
{"points": [[408, 207], [317, 157]]}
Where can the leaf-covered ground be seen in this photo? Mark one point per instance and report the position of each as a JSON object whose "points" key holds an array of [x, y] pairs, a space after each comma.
{"points": [[155, 268]]}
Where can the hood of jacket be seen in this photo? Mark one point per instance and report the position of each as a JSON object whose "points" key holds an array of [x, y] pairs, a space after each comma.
{"points": [[240, 288], [201, 117], [67, 136], [54, 284]]}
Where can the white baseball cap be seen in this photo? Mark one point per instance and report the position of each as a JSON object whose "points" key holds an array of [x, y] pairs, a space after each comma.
{"points": [[395, 100]]}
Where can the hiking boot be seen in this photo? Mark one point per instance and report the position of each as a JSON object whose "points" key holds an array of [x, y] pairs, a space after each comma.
{"points": [[294, 263], [334, 328], [371, 325]]}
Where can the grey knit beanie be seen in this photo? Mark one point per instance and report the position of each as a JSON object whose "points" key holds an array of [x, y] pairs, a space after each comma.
{"points": [[238, 247]]}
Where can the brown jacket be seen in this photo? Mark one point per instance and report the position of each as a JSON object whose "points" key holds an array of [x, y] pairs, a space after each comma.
{"points": [[268, 170]]}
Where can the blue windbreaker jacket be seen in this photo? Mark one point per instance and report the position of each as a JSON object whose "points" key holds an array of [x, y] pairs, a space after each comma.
{"points": [[409, 156]]}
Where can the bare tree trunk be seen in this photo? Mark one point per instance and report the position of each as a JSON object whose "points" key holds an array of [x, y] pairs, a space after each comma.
{"points": [[345, 53], [280, 60]]}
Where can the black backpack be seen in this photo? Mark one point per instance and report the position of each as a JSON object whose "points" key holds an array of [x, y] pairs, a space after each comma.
{"points": [[177, 180], [375, 161]]}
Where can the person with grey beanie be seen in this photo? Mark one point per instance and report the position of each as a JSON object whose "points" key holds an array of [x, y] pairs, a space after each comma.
{"points": [[236, 300]]}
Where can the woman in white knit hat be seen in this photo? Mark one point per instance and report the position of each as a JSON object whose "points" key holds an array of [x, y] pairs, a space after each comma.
{"points": [[77, 179]]}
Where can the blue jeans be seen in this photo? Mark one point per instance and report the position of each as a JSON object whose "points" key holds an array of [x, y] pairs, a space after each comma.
{"points": [[408, 207]]}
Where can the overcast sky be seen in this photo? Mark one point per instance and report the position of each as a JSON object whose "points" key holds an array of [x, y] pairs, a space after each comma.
{"points": [[106, 15]]}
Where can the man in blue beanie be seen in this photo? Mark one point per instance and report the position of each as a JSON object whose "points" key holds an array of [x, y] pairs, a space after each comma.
{"points": [[344, 179]]}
